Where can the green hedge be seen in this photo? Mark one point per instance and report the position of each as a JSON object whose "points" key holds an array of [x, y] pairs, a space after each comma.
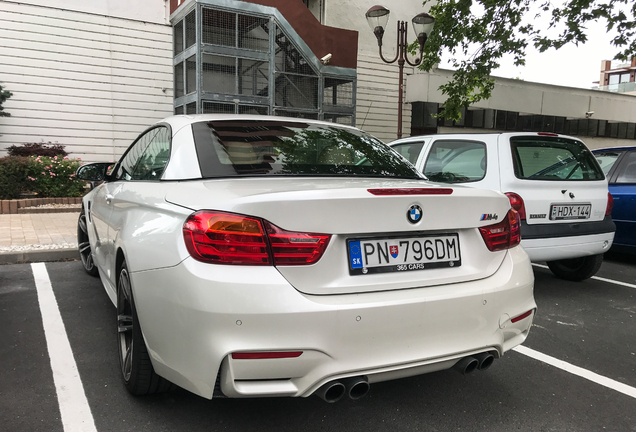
{"points": [[46, 176], [14, 171]]}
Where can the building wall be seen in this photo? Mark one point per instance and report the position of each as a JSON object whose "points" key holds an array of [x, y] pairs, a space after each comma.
{"points": [[377, 99], [377, 92], [84, 78], [535, 98]]}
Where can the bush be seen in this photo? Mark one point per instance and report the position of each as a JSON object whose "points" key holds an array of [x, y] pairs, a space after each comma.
{"points": [[13, 172], [37, 149], [54, 176]]}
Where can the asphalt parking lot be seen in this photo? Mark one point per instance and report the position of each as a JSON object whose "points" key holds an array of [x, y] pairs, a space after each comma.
{"points": [[576, 371]]}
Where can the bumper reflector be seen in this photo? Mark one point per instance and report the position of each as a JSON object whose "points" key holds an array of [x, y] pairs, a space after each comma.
{"points": [[265, 355], [522, 316]]}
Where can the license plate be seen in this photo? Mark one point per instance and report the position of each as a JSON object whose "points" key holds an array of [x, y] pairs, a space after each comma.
{"points": [[570, 211], [395, 254]]}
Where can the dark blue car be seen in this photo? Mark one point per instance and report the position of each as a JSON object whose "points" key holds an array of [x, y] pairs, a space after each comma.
{"points": [[619, 166]]}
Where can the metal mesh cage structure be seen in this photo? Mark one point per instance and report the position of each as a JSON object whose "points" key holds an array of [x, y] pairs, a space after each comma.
{"points": [[251, 61]]}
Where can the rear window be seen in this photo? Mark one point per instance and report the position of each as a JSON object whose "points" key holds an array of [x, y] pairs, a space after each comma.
{"points": [[553, 158], [264, 148], [606, 159], [453, 161], [410, 151]]}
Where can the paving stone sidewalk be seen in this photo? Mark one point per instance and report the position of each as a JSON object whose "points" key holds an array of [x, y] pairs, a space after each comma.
{"points": [[38, 237]]}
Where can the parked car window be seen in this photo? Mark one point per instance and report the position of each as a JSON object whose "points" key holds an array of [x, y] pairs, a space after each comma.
{"points": [[456, 161], [606, 160], [553, 158], [154, 158], [255, 148], [128, 162], [628, 175], [410, 151]]}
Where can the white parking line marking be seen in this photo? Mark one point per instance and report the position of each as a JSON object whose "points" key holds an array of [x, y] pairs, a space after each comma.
{"points": [[615, 282], [583, 373], [74, 409]]}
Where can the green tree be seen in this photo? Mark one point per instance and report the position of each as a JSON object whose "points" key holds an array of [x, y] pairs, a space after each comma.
{"points": [[4, 95], [478, 33]]}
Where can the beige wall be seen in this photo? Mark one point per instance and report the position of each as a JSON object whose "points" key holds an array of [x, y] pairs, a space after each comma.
{"points": [[377, 91], [153, 11], [86, 81], [377, 97]]}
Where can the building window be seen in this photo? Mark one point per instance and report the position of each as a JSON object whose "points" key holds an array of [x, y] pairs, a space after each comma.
{"points": [[315, 7], [178, 37], [190, 29], [179, 88], [191, 75], [338, 92]]}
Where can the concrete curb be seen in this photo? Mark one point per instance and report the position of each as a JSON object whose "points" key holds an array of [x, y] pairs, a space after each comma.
{"points": [[32, 256]]}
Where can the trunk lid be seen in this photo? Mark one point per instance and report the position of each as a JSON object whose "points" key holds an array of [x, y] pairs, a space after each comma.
{"points": [[346, 209]]}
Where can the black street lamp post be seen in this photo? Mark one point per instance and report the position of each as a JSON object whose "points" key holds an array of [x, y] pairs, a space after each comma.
{"points": [[378, 17]]}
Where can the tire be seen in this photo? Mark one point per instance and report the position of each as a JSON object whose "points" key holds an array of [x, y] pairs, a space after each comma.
{"points": [[137, 371], [84, 246], [576, 269]]}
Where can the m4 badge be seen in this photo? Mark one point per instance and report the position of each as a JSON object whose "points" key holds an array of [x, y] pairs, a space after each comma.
{"points": [[489, 216]]}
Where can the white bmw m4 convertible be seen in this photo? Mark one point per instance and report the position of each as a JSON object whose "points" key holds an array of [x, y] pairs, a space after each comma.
{"points": [[257, 256]]}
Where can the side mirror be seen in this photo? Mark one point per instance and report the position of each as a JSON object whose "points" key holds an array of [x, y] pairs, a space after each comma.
{"points": [[94, 172]]}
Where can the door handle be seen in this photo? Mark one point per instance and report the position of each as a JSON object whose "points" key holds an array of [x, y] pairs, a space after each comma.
{"points": [[109, 198]]}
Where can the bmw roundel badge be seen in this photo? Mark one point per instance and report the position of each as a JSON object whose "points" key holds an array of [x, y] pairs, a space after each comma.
{"points": [[414, 214]]}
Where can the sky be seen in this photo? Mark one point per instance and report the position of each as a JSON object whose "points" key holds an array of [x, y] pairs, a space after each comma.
{"points": [[571, 66]]}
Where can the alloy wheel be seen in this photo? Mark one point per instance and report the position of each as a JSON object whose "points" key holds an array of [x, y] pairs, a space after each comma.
{"points": [[125, 324], [84, 246]]}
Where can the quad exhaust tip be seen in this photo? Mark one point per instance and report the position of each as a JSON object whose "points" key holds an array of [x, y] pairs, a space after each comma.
{"points": [[485, 360], [331, 392], [358, 387], [481, 361], [354, 387]]}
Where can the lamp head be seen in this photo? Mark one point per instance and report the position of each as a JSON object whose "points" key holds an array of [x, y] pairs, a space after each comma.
{"points": [[377, 17], [423, 25]]}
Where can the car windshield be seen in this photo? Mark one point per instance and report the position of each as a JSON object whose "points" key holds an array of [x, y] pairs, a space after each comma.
{"points": [[553, 158], [228, 148]]}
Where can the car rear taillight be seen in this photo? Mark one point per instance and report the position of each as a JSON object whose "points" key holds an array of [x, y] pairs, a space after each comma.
{"points": [[223, 238], [226, 238], [503, 235], [516, 202], [610, 204], [294, 248]]}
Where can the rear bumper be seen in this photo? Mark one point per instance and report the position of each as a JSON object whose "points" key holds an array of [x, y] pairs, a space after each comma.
{"points": [[549, 242], [571, 229], [194, 316], [552, 249]]}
